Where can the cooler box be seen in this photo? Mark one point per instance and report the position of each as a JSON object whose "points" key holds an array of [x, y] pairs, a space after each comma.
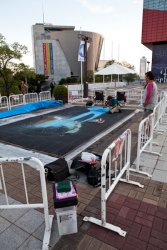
{"points": [[67, 199], [67, 220]]}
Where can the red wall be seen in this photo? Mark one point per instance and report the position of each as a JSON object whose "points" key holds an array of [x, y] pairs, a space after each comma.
{"points": [[154, 28]]}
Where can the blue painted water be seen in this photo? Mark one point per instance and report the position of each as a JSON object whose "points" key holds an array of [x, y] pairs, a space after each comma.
{"points": [[73, 124]]}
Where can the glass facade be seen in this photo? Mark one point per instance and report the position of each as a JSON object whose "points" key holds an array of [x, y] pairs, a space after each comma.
{"points": [[155, 5], [154, 28]]}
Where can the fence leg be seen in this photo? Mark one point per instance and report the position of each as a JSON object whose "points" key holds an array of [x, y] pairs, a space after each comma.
{"points": [[47, 233]]}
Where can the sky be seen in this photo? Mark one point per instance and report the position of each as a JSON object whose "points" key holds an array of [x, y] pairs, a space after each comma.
{"points": [[118, 21]]}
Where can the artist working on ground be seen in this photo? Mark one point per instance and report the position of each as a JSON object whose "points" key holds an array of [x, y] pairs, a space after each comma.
{"points": [[150, 94], [114, 105]]}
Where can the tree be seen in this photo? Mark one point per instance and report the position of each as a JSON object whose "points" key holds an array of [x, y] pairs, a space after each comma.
{"points": [[127, 65], [108, 63], [9, 54], [90, 76], [129, 77]]}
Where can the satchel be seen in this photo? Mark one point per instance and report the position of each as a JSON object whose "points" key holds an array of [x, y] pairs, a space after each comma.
{"points": [[57, 170], [94, 175]]}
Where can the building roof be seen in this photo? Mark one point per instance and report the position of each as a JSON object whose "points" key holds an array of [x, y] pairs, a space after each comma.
{"points": [[52, 27]]}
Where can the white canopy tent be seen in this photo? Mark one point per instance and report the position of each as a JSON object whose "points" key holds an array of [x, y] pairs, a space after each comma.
{"points": [[116, 69]]}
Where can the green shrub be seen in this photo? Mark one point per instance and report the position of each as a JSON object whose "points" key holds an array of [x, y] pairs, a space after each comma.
{"points": [[15, 89], [61, 93]]}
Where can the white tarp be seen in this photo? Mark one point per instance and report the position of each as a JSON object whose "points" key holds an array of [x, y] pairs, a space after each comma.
{"points": [[116, 69]]}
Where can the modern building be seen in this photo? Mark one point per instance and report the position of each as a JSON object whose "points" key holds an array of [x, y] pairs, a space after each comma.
{"points": [[56, 50], [102, 64], [154, 35], [143, 66]]}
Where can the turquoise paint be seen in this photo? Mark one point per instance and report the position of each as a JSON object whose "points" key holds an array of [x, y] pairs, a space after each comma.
{"points": [[74, 123]]}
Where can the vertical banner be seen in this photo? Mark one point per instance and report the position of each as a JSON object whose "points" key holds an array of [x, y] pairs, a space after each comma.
{"points": [[48, 59], [81, 52], [51, 59], [45, 59]]}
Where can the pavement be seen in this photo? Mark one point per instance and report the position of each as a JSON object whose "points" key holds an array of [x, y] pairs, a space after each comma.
{"points": [[142, 212]]}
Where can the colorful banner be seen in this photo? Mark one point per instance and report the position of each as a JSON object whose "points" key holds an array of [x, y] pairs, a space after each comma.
{"points": [[51, 59], [48, 59], [44, 59], [81, 52]]}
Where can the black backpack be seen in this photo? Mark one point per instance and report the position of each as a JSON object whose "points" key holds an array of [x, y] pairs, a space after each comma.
{"points": [[89, 103], [57, 170], [94, 175]]}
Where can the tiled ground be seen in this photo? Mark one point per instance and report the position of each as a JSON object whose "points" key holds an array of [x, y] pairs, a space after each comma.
{"points": [[141, 212]]}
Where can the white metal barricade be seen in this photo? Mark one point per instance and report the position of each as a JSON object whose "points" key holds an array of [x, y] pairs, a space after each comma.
{"points": [[37, 165], [132, 95], [145, 139], [4, 104], [16, 100], [118, 155], [110, 92], [74, 96], [44, 95], [156, 112], [31, 97], [159, 112], [135, 95]]}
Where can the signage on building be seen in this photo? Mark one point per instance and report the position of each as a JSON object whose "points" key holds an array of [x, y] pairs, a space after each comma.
{"points": [[159, 63]]}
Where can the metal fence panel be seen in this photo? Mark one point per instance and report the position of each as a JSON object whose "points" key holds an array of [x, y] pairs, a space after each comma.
{"points": [[23, 164], [118, 156]]}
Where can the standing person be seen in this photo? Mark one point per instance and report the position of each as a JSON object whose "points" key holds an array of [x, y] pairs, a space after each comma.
{"points": [[23, 88], [150, 94], [38, 87], [52, 85]]}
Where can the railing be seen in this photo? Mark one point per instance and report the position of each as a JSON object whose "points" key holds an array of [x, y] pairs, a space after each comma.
{"points": [[20, 99], [74, 96], [135, 95], [4, 104], [118, 155], [110, 92], [159, 111], [31, 97], [145, 139], [44, 95], [16, 100], [23, 165]]}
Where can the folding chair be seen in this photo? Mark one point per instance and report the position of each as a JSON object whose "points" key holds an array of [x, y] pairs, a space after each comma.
{"points": [[99, 97], [121, 96]]}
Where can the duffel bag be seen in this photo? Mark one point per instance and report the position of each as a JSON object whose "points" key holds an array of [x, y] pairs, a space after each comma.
{"points": [[57, 170]]}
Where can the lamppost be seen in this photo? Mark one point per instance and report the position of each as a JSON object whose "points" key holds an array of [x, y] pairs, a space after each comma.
{"points": [[87, 40]]}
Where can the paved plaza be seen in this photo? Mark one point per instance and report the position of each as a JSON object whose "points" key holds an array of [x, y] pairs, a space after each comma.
{"points": [[142, 212]]}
